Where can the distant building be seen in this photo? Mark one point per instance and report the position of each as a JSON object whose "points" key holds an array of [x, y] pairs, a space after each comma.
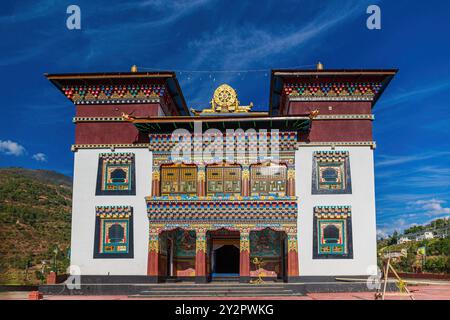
{"points": [[403, 240]]}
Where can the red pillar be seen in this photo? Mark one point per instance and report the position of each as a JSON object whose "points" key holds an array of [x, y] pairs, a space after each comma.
{"points": [[153, 254], [244, 261], [292, 255], [200, 255]]}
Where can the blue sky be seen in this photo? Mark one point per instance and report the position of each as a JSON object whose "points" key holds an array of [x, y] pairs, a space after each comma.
{"points": [[411, 127]]}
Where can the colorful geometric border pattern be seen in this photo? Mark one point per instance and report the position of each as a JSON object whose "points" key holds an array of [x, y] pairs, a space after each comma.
{"points": [[113, 215], [361, 91], [335, 215], [109, 93], [221, 210], [287, 140], [108, 161], [164, 157], [339, 160]]}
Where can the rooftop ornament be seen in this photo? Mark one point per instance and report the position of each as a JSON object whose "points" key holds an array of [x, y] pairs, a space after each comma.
{"points": [[224, 101]]}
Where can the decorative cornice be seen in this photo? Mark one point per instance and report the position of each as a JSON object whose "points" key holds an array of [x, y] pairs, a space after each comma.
{"points": [[332, 91], [332, 212], [333, 144], [119, 101], [345, 117], [221, 210], [326, 98], [116, 212], [111, 146], [107, 93], [98, 119], [319, 117]]}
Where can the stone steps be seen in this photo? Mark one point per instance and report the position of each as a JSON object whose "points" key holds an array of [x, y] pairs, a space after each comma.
{"points": [[215, 290]]}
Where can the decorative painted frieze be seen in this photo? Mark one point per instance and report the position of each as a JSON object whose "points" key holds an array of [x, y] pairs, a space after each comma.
{"points": [[363, 91], [286, 140], [109, 93], [233, 210]]}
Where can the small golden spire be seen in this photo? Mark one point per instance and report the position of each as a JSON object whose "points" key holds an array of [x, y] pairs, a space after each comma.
{"points": [[319, 65], [134, 68]]}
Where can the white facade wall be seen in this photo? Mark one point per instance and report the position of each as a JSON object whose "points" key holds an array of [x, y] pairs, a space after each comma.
{"points": [[83, 214], [362, 202]]}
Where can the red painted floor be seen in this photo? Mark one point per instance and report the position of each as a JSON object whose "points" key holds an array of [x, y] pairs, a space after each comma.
{"points": [[421, 292]]}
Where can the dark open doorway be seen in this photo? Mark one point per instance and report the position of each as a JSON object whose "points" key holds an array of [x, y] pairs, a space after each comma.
{"points": [[227, 260]]}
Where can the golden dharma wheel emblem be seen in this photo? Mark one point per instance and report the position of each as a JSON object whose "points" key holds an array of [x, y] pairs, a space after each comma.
{"points": [[224, 100], [225, 96]]}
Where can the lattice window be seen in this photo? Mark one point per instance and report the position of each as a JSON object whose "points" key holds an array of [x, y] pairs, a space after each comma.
{"points": [[331, 172], [332, 233], [179, 180], [116, 174], [268, 180], [223, 180], [113, 232]]}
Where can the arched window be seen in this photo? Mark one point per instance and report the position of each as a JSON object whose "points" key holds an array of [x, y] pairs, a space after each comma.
{"points": [[223, 180], [331, 234], [268, 180], [116, 233], [118, 176], [179, 179], [330, 175]]}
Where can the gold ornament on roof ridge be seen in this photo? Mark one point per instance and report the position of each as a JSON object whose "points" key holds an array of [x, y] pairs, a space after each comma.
{"points": [[224, 100]]}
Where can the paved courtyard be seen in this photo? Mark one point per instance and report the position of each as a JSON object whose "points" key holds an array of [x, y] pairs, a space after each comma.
{"points": [[421, 292]]}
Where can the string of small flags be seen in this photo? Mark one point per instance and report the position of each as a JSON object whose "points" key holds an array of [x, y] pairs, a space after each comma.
{"points": [[212, 73]]}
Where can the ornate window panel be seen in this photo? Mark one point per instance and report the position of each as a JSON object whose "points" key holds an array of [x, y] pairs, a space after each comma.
{"points": [[332, 233], [116, 174], [331, 173], [178, 179], [223, 180], [113, 232], [268, 180]]}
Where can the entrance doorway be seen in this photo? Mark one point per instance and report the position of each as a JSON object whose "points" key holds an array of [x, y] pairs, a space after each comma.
{"points": [[225, 257], [227, 260]]}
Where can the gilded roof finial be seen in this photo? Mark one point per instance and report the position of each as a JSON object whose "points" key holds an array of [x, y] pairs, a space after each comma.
{"points": [[319, 65], [224, 101], [134, 68]]}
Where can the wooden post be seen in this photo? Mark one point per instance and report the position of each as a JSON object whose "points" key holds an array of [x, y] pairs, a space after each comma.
{"points": [[244, 256], [201, 188], [245, 181], [156, 192], [153, 254], [292, 264], [200, 255], [290, 182]]}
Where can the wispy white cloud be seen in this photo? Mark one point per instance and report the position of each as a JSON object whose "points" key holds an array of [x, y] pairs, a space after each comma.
{"points": [[413, 94], [11, 148], [245, 45], [390, 160], [164, 13], [40, 157], [431, 207]]}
